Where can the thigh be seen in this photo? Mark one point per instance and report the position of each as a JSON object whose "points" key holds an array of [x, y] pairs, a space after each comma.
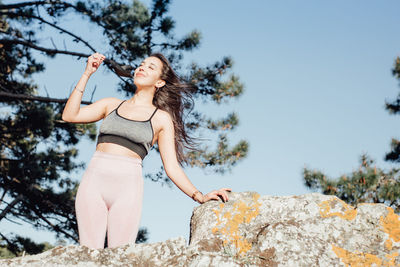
{"points": [[88, 194], [91, 211], [125, 213]]}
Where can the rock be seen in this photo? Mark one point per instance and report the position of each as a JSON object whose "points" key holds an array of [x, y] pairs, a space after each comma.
{"points": [[253, 230]]}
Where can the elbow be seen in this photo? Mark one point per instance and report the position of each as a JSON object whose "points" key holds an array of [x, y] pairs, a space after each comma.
{"points": [[172, 170], [66, 118]]}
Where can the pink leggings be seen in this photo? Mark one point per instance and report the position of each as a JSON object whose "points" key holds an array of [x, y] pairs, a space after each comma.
{"points": [[109, 198]]}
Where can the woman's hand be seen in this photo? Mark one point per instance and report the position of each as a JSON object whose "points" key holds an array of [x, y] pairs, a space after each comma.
{"points": [[93, 63], [217, 195]]}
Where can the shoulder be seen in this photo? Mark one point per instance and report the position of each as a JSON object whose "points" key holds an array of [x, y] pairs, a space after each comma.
{"points": [[164, 119], [111, 100], [109, 103]]}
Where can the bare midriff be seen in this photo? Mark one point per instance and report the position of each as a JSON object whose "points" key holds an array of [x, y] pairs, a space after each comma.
{"points": [[116, 149]]}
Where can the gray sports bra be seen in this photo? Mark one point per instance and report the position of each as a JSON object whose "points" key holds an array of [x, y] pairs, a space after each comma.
{"points": [[132, 134]]}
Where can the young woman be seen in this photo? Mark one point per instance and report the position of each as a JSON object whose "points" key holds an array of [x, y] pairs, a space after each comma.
{"points": [[109, 197]]}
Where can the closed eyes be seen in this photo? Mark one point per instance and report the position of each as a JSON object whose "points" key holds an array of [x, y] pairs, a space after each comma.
{"points": [[152, 65]]}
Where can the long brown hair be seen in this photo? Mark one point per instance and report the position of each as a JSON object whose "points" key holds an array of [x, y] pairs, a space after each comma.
{"points": [[174, 97]]}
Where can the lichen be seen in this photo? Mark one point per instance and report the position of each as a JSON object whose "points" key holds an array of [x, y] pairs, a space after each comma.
{"points": [[390, 224], [360, 259], [229, 223], [349, 212]]}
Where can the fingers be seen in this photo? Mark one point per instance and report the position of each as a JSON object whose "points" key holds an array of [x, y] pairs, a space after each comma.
{"points": [[214, 196], [220, 194], [95, 60], [223, 193], [97, 57], [227, 189]]}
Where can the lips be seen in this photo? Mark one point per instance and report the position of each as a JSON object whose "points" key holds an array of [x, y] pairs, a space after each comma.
{"points": [[140, 74]]}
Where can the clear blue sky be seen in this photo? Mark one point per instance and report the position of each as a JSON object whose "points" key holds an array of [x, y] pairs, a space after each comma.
{"points": [[316, 76]]}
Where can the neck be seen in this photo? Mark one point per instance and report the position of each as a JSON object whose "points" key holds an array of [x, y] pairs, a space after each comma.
{"points": [[142, 97]]}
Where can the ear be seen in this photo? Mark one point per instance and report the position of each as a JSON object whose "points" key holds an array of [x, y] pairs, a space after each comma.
{"points": [[160, 83]]}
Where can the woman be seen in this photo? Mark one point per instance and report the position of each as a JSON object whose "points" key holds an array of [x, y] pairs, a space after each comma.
{"points": [[109, 197]]}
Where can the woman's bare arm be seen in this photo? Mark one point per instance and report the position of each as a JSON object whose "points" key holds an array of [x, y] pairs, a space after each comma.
{"points": [[72, 111], [166, 145], [91, 113]]}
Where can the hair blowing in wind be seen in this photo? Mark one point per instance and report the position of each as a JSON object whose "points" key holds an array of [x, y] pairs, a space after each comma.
{"points": [[173, 97]]}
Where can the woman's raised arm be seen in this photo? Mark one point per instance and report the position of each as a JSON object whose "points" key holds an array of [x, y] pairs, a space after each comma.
{"points": [[93, 112]]}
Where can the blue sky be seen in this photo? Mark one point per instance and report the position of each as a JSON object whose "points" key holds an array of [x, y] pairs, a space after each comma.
{"points": [[316, 76]]}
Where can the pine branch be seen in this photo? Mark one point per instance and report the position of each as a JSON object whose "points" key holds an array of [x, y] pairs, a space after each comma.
{"points": [[12, 14], [10, 206], [34, 209], [165, 45], [43, 49], [120, 70], [149, 31], [63, 3], [2, 197], [10, 245], [55, 227], [36, 98], [24, 4]]}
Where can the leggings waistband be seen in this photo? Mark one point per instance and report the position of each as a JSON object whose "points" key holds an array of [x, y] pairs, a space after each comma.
{"points": [[111, 156]]}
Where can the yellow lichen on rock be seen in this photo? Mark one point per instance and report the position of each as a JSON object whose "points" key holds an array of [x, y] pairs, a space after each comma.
{"points": [[359, 259], [391, 224], [228, 223], [392, 258], [388, 244], [325, 209]]}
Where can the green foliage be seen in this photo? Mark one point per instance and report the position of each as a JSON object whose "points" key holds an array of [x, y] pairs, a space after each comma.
{"points": [[394, 154], [394, 108], [5, 253], [223, 158], [36, 152], [38, 149], [368, 184], [19, 246]]}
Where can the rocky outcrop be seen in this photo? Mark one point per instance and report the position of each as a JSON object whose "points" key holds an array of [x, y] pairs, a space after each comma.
{"points": [[254, 230]]}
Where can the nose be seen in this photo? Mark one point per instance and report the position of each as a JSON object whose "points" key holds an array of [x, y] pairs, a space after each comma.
{"points": [[138, 69]]}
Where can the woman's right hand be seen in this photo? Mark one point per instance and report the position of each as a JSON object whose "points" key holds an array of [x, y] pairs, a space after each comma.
{"points": [[93, 63]]}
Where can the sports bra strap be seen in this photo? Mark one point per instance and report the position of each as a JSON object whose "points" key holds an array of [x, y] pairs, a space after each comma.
{"points": [[153, 113], [121, 103], [118, 105]]}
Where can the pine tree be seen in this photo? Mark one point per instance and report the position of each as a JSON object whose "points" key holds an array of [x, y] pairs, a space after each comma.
{"points": [[369, 184], [38, 149], [394, 108]]}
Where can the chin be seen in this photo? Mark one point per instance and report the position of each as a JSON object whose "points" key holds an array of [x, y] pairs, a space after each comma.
{"points": [[140, 83]]}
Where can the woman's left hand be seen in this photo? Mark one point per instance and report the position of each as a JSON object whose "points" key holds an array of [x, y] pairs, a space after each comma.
{"points": [[217, 195]]}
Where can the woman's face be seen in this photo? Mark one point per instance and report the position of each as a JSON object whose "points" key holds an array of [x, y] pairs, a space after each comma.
{"points": [[148, 73]]}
